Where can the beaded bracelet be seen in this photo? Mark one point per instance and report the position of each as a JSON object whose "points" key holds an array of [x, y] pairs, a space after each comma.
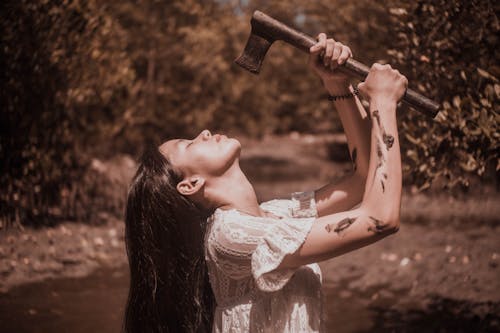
{"points": [[355, 92]]}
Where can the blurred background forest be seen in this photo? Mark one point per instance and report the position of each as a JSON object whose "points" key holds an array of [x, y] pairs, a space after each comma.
{"points": [[86, 84], [85, 81]]}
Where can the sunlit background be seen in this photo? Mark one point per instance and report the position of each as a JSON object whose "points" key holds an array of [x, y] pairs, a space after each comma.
{"points": [[85, 85]]}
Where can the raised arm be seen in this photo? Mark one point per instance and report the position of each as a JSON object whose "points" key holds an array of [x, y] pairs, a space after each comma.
{"points": [[378, 214], [345, 193]]}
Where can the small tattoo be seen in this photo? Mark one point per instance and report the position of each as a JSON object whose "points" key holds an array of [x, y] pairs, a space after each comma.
{"points": [[379, 150], [341, 226], [376, 116], [379, 225], [354, 156], [383, 186], [380, 156], [388, 140], [344, 224]]}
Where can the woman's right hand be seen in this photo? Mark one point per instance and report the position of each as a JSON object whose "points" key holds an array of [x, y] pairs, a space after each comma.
{"points": [[383, 85]]}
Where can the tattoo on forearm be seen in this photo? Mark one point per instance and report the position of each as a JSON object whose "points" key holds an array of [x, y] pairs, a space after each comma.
{"points": [[377, 227], [387, 138], [340, 226], [384, 175], [380, 156], [381, 166], [353, 157]]}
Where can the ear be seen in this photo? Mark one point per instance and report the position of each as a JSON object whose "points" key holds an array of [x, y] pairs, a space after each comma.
{"points": [[191, 185]]}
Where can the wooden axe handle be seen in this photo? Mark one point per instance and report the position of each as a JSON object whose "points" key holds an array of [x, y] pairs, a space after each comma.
{"points": [[272, 29]]}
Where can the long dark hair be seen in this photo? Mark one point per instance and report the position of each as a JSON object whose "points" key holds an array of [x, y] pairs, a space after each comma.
{"points": [[164, 234]]}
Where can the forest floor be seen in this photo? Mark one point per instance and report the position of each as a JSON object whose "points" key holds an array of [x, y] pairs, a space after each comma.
{"points": [[441, 268]]}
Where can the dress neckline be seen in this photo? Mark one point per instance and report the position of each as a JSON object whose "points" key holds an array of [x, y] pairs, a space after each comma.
{"points": [[239, 212]]}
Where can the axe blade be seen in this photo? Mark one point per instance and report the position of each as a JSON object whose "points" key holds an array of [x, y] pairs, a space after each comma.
{"points": [[254, 52]]}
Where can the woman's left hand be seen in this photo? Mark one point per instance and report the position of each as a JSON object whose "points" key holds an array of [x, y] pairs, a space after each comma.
{"points": [[324, 58]]}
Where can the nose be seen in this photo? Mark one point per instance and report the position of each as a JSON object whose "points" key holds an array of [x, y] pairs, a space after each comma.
{"points": [[205, 134]]}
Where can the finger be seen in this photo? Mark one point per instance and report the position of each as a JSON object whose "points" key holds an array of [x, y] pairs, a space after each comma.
{"points": [[344, 55], [361, 86], [316, 49], [330, 45], [320, 45], [321, 37], [336, 53], [361, 89], [405, 81]]}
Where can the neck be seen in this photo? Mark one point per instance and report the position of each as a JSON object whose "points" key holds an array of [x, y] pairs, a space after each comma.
{"points": [[233, 191]]}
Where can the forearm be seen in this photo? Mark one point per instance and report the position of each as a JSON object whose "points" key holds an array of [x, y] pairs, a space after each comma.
{"points": [[347, 192], [384, 182], [356, 124]]}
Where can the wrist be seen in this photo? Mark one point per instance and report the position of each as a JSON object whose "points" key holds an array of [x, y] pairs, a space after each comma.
{"points": [[382, 103], [337, 87]]}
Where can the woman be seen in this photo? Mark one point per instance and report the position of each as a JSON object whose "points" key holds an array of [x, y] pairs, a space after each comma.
{"points": [[250, 267]]}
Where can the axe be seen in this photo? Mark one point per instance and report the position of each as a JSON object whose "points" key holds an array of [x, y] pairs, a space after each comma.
{"points": [[266, 30]]}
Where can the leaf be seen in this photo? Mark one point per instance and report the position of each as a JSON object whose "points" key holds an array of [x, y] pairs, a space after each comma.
{"points": [[412, 139], [398, 11], [486, 75]]}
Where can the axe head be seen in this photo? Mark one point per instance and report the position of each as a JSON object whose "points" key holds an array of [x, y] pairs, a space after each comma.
{"points": [[252, 57]]}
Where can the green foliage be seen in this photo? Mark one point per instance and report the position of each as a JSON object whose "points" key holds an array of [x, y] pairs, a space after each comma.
{"points": [[97, 78]]}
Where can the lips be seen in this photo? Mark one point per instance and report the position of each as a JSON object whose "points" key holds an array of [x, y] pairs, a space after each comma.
{"points": [[218, 137]]}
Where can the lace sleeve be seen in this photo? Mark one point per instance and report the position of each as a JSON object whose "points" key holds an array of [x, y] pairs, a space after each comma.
{"points": [[246, 246], [232, 242]]}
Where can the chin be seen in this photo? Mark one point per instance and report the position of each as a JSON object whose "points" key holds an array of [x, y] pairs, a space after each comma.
{"points": [[235, 142], [234, 147]]}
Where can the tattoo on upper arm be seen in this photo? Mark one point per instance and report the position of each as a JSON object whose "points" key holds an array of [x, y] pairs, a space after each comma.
{"points": [[353, 157], [340, 226], [377, 225]]}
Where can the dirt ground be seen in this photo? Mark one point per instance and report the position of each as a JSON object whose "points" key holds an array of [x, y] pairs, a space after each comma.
{"points": [[442, 266]]}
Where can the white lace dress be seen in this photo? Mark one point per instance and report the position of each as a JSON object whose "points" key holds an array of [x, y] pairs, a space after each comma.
{"points": [[243, 252]]}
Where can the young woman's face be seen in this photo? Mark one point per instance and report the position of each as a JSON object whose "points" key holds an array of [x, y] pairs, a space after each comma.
{"points": [[206, 155]]}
